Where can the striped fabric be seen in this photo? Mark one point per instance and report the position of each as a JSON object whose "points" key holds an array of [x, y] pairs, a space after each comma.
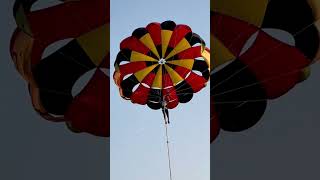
{"points": [[162, 62]]}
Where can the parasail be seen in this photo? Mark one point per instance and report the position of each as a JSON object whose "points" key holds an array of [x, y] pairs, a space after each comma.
{"points": [[162, 65], [261, 50], [52, 79]]}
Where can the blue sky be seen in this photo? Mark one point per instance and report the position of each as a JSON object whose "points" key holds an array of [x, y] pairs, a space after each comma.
{"points": [[138, 150]]}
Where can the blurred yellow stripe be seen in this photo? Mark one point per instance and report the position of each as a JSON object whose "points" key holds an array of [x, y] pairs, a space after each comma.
{"points": [[96, 43], [251, 11]]}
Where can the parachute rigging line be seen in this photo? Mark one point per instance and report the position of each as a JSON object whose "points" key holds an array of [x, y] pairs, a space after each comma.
{"points": [[168, 147]]}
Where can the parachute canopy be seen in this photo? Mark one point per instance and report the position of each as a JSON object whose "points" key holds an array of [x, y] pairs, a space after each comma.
{"points": [[162, 63]]}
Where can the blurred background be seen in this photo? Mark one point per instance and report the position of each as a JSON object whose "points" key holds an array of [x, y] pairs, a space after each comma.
{"points": [[283, 145], [34, 148]]}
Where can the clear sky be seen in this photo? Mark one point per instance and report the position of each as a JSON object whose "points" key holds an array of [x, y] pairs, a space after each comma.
{"points": [[138, 150]]}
